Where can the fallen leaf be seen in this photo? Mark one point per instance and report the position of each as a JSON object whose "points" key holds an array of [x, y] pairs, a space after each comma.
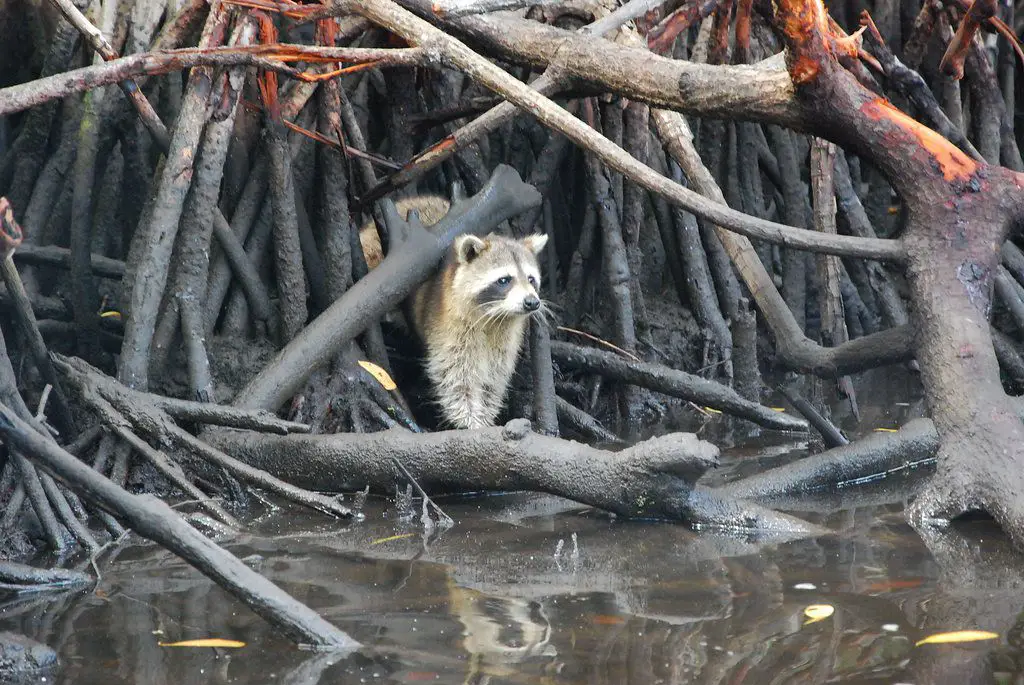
{"points": [[957, 636], [886, 430], [393, 537], [110, 314], [204, 642], [379, 374], [818, 612], [606, 620]]}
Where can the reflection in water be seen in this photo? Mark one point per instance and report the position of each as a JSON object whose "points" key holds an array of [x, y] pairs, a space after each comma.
{"points": [[499, 633], [505, 597]]}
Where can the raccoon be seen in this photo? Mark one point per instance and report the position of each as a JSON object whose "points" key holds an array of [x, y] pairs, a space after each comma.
{"points": [[471, 315]]}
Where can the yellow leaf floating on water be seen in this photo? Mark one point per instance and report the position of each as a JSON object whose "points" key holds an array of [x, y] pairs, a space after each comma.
{"points": [[957, 636], [204, 642], [393, 537], [380, 374], [818, 612]]}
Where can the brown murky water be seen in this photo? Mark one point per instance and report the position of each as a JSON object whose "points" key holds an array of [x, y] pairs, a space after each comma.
{"points": [[531, 589]]}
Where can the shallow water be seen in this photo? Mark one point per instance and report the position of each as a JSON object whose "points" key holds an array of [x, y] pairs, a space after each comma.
{"points": [[489, 600], [533, 589]]}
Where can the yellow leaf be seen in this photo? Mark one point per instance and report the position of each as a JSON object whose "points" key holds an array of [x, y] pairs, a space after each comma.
{"points": [[777, 408], [709, 409], [886, 430], [393, 537], [818, 612], [957, 636], [204, 642], [110, 315], [380, 374]]}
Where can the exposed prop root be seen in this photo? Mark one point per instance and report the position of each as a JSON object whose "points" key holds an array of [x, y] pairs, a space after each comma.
{"points": [[155, 520], [149, 418], [870, 458], [673, 382]]}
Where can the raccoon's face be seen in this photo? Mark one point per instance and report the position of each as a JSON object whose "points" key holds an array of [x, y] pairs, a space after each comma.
{"points": [[499, 275]]}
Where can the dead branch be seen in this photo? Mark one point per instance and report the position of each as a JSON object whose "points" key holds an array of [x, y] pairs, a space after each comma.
{"points": [[672, 382], [271, 57]]}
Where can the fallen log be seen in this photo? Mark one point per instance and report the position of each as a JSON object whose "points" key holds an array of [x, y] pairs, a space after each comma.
{"points": [[651, 479]]}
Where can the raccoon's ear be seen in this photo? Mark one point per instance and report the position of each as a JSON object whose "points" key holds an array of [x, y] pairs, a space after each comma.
{"points": [[536, 242], [468, 248]]}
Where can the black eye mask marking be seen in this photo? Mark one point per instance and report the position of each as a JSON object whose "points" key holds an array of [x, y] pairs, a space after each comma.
{"points": [[495, 292]]}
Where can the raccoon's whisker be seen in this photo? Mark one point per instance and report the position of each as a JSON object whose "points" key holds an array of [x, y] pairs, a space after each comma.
{"points": [[551, 304], [489, 314], [544, 314]]}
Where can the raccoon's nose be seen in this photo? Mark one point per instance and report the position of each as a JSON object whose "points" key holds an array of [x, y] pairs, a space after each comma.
{"points": [[531, 303]]}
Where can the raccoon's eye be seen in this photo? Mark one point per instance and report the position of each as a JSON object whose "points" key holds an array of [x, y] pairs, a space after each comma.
{"points": [[504, 280], [532, 281]]}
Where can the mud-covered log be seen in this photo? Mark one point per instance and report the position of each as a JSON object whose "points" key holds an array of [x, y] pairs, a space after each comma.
{"points": [[653, 478]]}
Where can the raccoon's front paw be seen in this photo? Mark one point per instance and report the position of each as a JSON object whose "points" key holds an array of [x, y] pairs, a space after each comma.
{"points": [[516, 429]]}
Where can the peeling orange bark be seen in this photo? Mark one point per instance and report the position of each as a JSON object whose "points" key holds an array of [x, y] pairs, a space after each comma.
{"points": [[806, 26], [955, 165], [952, 63]]}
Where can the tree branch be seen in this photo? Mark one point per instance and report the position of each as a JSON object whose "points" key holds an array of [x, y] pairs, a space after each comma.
{"points": [[274, 57], [457, 55]]}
